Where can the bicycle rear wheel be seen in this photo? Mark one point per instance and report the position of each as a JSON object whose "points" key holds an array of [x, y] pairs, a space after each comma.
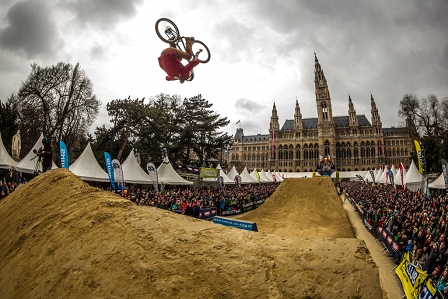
{"points": [[201, 51], [166, 30]]}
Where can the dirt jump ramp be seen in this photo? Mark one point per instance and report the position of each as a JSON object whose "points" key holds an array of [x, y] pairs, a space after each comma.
{"points": [[61, 238]]}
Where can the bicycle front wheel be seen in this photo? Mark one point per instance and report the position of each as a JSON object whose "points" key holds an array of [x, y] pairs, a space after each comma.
{"points": [[166, 30], [201, 51]]}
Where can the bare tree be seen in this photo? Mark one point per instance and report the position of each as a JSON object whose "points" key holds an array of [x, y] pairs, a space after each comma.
{"points": [[60, 101]]}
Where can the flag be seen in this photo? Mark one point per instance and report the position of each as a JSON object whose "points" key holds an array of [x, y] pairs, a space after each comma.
{"points": [[63, 154], [238, 121], [109, 169]]}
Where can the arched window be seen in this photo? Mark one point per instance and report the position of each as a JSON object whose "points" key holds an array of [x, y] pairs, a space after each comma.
{"points": [[327, 147], [305, 154], [291, 155], [324, 111]]}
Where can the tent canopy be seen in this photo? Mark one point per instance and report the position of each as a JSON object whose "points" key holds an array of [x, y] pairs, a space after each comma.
{"points": [[168, 176], [87, 167], [133, 173], [5, 159]]}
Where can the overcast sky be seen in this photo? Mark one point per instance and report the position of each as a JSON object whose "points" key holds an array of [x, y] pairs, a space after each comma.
{"points": [[261, 51]]}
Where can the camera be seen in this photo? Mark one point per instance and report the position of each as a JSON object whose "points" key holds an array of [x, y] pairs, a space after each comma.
{"points": [[38, 153]]}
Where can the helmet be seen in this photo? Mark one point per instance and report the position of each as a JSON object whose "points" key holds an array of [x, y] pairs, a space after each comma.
{"points": [[45, 140]]}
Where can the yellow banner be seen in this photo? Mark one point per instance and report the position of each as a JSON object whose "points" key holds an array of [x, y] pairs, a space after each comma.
{"points": [[416, 283], [419, 155]]}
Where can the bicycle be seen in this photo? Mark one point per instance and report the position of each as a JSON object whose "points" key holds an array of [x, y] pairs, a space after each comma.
{"points": [[168, 32]]}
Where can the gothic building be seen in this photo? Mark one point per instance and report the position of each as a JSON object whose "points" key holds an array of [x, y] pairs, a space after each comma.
{"points": [[353, 142]]}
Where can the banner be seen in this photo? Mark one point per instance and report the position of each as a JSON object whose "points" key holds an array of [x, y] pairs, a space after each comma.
{"points": [[420, 156], [444, 166], [118, 174], [109, 169], [416, 283], [152, 172], [402, 176], [391, 178], [208, 173], [63, 154], [238, 181], [372, 174], [258, 176], [360, 178]]}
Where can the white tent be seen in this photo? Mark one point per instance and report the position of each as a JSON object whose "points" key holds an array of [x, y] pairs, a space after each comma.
{"points": [[28, 163], [413, 179], [5, 159], [87, 167], [439, 183], [382, 179], [168, 176], [397, 178], [279, 177], [246, 178], [378, 175], [133, 173], [253, 174], [232, 173], [266, 177]]}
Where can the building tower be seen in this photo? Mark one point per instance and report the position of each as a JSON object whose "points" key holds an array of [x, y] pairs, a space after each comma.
{"points": [[298, 117], [325, 123], [352, 118]]}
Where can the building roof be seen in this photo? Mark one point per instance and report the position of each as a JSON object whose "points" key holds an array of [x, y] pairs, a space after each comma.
{"points": [[339, 121]]}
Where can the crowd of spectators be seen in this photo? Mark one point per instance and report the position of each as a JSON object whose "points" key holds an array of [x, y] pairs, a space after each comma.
{"points": [[190, 202], [8, 184], [417, 221]]}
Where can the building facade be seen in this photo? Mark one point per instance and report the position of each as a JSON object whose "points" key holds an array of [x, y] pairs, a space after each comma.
{"points": [[353, 142]]}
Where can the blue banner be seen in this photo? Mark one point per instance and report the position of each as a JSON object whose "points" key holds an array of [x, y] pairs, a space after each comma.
{"points": [[110, 169], [63, 154], [246, 225]]}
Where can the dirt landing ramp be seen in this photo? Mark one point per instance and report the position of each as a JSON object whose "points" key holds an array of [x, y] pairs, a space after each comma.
{"points": [[60, 238], [306, 208]]}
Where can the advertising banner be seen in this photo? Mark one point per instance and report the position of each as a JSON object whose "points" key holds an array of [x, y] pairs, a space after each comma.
{"points": [[118, 174], [416, 283], [208, 173], [152, 172], [110, 170], [63, 154]]}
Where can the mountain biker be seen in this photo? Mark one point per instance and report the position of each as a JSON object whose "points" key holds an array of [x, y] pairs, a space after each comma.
{"points": [[170, 61]]}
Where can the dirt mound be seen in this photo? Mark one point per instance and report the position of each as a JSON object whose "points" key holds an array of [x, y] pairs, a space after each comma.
{"points": [[307, 208], [60, 238]]}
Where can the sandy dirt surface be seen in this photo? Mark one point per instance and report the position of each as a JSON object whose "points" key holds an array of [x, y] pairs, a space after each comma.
{"points": [[61, 238]]}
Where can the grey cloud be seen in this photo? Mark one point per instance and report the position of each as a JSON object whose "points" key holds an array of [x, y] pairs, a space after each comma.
{"points": [[104, 14], [97, 52], [30, 30], [247, 105]]}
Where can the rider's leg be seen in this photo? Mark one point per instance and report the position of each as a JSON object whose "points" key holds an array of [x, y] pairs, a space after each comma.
{"points": [[181, 54], [186, 70]]}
